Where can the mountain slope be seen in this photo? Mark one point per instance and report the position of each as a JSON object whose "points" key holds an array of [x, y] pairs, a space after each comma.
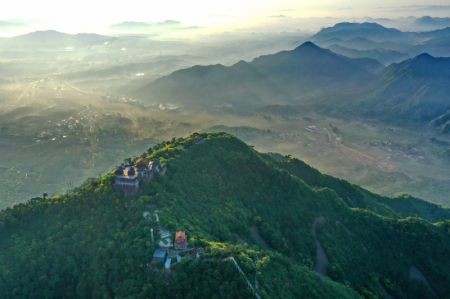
{"points": [[303, 73], [311, 65], [94, 242], [382, 55], [357, 197], [415, 90], [444, 32], [439, 45], [240, 84], [442, 122]]}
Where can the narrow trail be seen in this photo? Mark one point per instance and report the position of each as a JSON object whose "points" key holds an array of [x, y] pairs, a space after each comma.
{"points": [[321, 257], [417, 275], [254, 232], [249, 284]]}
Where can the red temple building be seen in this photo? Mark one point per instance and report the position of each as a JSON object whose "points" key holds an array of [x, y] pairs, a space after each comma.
{"points": [[180, 240]]}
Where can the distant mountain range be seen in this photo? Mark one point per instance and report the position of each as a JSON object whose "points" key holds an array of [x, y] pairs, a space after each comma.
{"points": [[385, 56], [428, 22], [305, 73], [376, 33], [413, 89], [372, 31], [374, 40], [51, 38], [416, 90], [384, 44]]}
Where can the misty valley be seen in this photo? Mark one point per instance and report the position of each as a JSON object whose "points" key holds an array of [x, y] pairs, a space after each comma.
{"points": [[73, 106]]}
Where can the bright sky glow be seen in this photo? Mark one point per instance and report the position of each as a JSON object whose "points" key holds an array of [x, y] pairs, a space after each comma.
{"points": [[95, 15]]}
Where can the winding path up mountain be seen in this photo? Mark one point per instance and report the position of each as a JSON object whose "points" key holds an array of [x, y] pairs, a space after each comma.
{"points": [[416, 275], [321, 257]]}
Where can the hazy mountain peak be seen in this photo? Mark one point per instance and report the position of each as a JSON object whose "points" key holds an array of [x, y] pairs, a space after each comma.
{"points": [[372, 31], [431, 62], [242, 62], [423, 66], [430, 66], [360, 25], [266, 79], [308, 45], [352, 26], [424, 57], [415, 90], [310, 48], [432, 22], [53, 38], [44, 33]]}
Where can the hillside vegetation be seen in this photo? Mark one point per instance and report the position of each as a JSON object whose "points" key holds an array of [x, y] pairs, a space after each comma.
{"points": [[416, 90], [271, 213]]}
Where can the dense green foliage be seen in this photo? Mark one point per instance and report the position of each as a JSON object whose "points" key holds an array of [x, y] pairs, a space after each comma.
{"points": [[233, 202], [356, 197]]}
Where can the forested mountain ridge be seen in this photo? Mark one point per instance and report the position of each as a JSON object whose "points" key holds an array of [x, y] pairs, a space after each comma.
{"points": [[304, 73], [357, 197], [377, 39], [416, 90], [270, 212]]}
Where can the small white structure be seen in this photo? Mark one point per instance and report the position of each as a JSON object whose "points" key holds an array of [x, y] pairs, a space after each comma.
{"points": [[154, 167], [165, 238], [147, 215], [168, 263]]}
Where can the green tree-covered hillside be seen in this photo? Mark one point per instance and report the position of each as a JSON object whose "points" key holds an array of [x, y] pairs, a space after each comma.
{"points": [[293, 232]]}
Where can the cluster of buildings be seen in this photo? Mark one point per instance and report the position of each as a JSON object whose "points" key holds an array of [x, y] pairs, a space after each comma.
{"points": [[128, 177], [170, 248], [173, 252]]}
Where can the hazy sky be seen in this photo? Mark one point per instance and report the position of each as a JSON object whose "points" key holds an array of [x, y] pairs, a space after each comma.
{"points": [[93, 15]]}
